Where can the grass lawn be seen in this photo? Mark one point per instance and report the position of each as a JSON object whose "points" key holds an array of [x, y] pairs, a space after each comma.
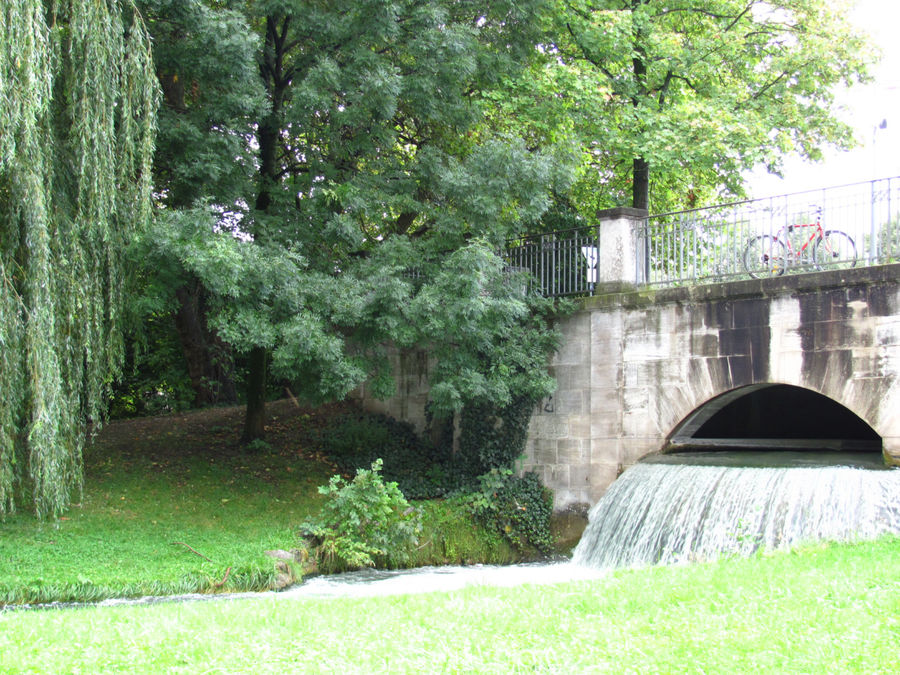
{"points": [[173, 505], [824, 609]]}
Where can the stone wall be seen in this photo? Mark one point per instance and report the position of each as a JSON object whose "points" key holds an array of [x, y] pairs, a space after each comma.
{"points": [[636, 365], [410, 368]]}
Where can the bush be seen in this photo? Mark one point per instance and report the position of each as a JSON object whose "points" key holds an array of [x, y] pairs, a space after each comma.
{"points": [[420, 469], [363, 523], [519, 507]]}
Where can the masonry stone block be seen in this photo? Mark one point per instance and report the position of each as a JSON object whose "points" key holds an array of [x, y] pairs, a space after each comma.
{"points": [[545, 451], [635, 399], [634, 450], [887, 331], [579, 426], [704, 344], [605, 450], [734, 342], [576, 343], [571, 402], [605, 400], [572, 377], [787, 368], [574, 451], [556, 475], [606, 426], [580, 476], [565, 498], [635, 424], [865, 363]]}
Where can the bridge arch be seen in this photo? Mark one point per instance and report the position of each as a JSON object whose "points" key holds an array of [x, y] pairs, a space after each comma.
{"points": [[773, 416]]}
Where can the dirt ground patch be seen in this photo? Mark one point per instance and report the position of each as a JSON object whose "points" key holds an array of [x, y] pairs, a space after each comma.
{"points": [[291, 428]]}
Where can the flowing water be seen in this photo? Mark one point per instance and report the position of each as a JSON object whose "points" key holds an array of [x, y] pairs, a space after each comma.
{"points": [[368, 583], [700, 506]]}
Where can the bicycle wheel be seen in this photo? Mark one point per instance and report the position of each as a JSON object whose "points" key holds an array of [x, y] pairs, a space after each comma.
{"points": [[835, 250], [764, 257]]}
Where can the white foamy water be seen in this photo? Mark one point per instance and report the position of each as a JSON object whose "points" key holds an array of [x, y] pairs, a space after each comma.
{"points": [[372, 583], [670, 513]]}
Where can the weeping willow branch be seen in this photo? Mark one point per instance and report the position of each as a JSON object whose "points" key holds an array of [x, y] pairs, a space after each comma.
{"points": [[77, 108]]}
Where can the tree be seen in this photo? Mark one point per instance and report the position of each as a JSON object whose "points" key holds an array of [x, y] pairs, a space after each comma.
{"points": [[76, 137], [673, 101], [371, 166]]}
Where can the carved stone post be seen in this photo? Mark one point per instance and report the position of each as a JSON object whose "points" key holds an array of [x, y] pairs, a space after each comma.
{"points": [[622, 260]]}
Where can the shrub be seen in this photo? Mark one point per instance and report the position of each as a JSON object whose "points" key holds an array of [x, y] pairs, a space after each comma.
{"points": [[519, 507], [363, 523], [420, 469]]}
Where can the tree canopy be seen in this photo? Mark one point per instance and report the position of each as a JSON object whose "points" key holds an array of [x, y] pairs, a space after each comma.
{"points": [[371, 172], [395, 133], [678, 99], [78, 97]]}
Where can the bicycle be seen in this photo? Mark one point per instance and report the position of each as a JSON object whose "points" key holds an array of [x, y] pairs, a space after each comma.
{"points": [[768, 255]]}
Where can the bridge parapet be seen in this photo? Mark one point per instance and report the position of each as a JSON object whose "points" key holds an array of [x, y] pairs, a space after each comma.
{"points": [[831, 228]]}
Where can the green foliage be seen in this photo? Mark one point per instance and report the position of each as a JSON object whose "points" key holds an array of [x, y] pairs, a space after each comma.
{"points": [[344, 147], [76, 140], [518, 507], [356, 440], [451, 535], [490, 339], [154, 379], [492, 436], [694, 92], [361, 523], [887, 240], [154, 481]]}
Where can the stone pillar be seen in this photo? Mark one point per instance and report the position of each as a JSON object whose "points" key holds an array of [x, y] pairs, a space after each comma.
{"points": [[621, 263]]}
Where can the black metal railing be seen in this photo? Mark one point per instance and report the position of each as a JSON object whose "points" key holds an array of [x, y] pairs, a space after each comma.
{"points": [[560, 263], [739, 240]]}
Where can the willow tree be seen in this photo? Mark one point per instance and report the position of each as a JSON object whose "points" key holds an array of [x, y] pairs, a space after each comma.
{"points": [[77, 103]]}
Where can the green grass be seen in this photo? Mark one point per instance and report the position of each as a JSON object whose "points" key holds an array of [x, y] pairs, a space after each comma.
{"points": [[823, 609], [144, 504], [173, 505]]}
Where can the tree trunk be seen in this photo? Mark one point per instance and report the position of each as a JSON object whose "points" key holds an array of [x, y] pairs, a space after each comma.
{"points": [[207, 359], [255, 420], [640, 186], [640, 169], [276, 81]]}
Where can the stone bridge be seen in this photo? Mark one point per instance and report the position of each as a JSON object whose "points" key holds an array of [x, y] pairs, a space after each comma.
{"points": [[812, 358]]}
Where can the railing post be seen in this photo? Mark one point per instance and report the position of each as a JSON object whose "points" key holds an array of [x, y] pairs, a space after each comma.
{"points": [[873, 229], [623, 256]]}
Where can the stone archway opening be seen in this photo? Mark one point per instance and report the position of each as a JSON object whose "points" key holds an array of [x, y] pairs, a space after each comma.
{"points": [[774, 417]]}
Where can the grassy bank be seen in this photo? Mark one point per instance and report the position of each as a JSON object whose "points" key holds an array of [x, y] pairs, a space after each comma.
{"points": [[823, 609], [174, 505]]}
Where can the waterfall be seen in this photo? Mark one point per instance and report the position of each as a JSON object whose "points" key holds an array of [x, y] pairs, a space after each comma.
{"points": [[670, 513]]}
